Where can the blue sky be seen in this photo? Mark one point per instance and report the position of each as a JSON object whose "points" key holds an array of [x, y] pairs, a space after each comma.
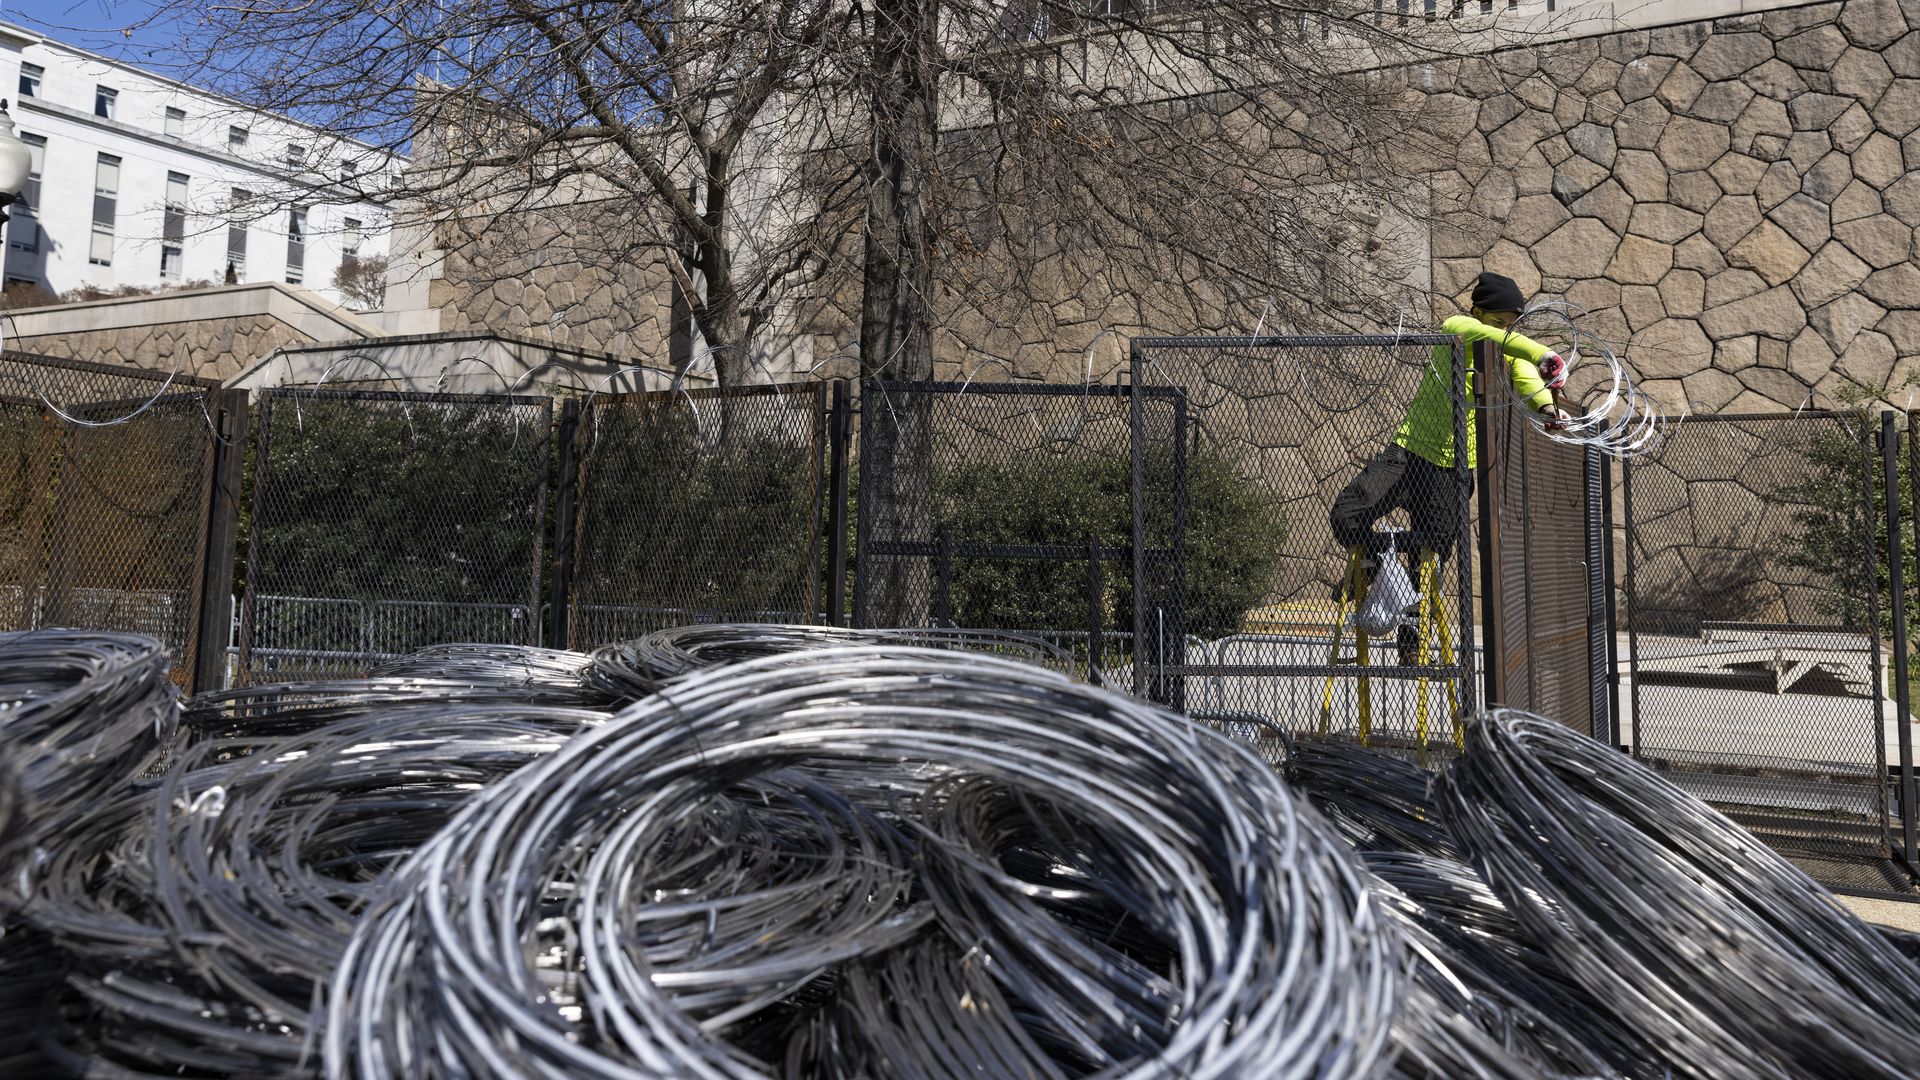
{"points": [[114, 27]]}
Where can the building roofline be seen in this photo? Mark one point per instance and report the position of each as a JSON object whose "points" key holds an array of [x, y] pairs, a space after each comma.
{"points": [[104, 309], [35, 37]]}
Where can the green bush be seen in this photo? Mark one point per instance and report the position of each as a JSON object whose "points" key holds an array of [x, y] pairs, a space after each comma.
{"points": [[1233, 538]]}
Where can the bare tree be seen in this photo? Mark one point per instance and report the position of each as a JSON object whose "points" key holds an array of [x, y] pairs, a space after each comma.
{"points": [[896, 154], [362, 281], [892, 164]]}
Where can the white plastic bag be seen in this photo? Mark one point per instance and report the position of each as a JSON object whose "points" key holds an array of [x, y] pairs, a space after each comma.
{"points": [[1388, 598]]}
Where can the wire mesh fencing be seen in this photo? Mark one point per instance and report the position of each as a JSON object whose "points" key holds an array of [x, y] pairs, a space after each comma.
{"points": [[1755, 624], [104, 499], [386, 521], [699, 506], [1298, 500], [1013, 507], [1547, 573]]}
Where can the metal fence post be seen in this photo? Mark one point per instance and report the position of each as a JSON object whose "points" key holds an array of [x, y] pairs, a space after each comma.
{"points": [[1897, 585], [560, 600], [1633, 603], [1137, 436], [1863, 432], [943, 592], [1490, 607], [1096, 590], [222, 541], [840, 444], [1610, 624], [862, 561]]}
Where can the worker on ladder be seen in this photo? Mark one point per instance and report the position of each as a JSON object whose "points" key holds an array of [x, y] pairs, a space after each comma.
{"points": [[1415, 472]]}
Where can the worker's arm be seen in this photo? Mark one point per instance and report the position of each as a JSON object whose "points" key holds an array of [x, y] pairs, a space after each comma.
{"points": [[1524, 356]]}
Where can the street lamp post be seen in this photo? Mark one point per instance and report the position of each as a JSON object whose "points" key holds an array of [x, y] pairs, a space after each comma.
{"points": [[15, 162]]}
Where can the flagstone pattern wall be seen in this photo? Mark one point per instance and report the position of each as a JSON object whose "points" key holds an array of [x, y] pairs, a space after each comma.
{"points": [[1736, 200]]}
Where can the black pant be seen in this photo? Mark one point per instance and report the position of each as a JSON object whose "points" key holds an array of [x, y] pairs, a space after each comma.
{"points": [[1396, 479]]}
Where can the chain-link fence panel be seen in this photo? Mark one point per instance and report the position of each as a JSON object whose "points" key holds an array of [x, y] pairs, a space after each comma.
{"points": [[1301, 503], [386, 521], [699, 506], [1547, 579], [1755, 623], [104, 499], [1011, 507]]}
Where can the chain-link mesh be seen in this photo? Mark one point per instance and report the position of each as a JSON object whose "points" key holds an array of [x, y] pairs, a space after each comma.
{"points": [[699, 506], [1008, 506], [103, 510], [384, 522], [1547, 576], [1289, 440], [1755, 626]]}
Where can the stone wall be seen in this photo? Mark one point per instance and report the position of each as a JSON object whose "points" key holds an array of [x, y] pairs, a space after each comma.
{"points": [[1735, 200], [541, 274], [209, 348]]}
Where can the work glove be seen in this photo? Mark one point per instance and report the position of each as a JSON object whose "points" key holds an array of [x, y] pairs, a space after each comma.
{"points": [[1555, 418], [1554, 370]]}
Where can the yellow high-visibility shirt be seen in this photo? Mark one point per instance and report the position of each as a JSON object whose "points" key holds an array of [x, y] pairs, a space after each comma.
{"points": [[1428, 428]]}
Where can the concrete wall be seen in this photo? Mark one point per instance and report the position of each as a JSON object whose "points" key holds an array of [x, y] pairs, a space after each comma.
{"points": [[212, 333]]}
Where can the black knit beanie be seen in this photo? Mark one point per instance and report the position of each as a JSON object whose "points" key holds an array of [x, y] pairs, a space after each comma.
{"points": [[1497, 292]]}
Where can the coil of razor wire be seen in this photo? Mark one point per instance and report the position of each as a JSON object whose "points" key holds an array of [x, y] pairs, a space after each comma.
{"points": [[79, 714], [682, 892], [1726, 958], [630, 670], [1615, 416], [241, 873]]}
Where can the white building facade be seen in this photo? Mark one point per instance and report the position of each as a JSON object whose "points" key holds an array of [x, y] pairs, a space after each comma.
{"points": [[143, 181]]}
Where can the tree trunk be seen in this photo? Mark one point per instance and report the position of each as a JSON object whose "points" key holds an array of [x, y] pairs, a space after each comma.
{"points": [[896, 317]]}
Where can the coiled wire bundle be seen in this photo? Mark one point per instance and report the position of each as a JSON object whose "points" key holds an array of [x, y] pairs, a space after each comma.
{"points": [[686, 891], [80, 713], [631, 670], [210, 905], [1716, 951]]}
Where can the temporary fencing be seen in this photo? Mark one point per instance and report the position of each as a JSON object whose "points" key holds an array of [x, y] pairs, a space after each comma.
{"points": [[809, 852], [1178, 534], [106, 482], [697, 506], [384, 521]]}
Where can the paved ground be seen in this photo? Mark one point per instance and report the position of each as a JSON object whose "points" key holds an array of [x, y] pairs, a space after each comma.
{"points": [[1894, 913]]}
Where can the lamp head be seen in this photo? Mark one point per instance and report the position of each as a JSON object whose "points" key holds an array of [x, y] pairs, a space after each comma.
{"points": [[16, 160]]}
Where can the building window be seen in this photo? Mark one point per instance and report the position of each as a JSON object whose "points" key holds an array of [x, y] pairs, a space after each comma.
{"points": [[349, 170], [105, 99], [176, 122], [350, 241], [236, 137], [237, 235], [106, 199], [296, 245], [30, 75], [24, 233], [173, 227], [296, 156]]}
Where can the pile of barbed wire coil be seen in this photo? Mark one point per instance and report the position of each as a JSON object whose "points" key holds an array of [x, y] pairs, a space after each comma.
{"points": [[760, 851]]}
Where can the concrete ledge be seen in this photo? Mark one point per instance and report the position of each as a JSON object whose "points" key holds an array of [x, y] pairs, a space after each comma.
{"points": [[307, 313]]}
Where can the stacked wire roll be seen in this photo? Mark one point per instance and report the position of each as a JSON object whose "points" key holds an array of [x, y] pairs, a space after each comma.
{"points": [[1048, 880], [808, 854]]}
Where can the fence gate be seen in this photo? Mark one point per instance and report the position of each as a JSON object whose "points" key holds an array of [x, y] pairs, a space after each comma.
{"points": [[1544, 571], [105, 500], [1022, 506], [1276, 428], [697, 506], [385, 521], [1754, 621]]}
